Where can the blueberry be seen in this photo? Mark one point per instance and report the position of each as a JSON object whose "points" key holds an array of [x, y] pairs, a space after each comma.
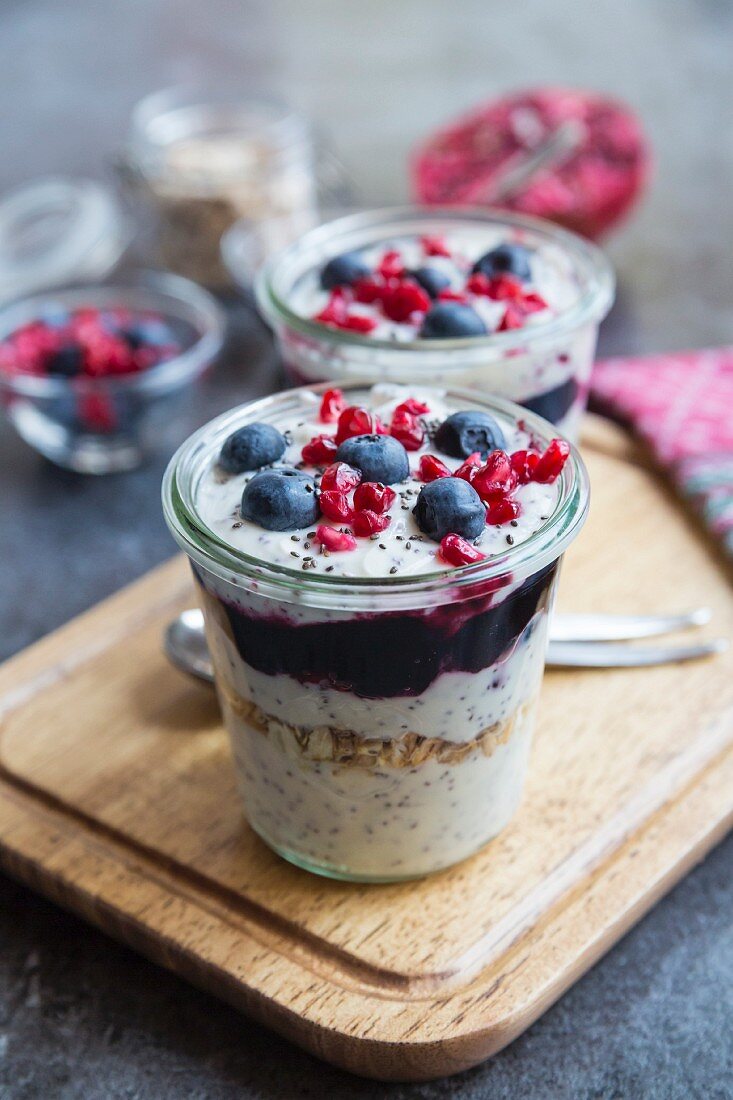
{"points": [[66, 361], [379, 457], [471, 430], [449, 506], [280, 500], [343, 271], [447, 319], [250, 447], [505, 259], [431, 280], [148, 333]]}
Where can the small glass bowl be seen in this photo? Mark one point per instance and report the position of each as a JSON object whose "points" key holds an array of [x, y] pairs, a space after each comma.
{"points": [[105, 425]]}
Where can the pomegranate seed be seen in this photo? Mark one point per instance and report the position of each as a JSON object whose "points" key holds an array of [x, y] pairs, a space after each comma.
{"points": [[456, 551], [469, 469], [434, 246], [372, 496], [355, 420], [332, 405], [355, 322], [368, 291], [495, 478], [341, 477], [524, 464], [513, 318], [502, 511], [369, 523], [413, 406], [504, 288], [403, 300], [552, 461], [407, 429], [449, 295], [333, 539], [336, 506], [319, 451], [431, 468], [335, 312], [392, 265], [479, 284], [533, 302]]}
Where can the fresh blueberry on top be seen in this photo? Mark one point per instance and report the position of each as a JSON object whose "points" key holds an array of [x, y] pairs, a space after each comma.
{"points": [[449, 506], [451, 319], [250, 447], [280, 500], [505, 259], [379, 457], [431, 280], [344, 270], [66, 361], [471, 430]]}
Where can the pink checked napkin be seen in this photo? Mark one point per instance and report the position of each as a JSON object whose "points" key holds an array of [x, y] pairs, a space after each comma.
{"points": [[681, 404]]}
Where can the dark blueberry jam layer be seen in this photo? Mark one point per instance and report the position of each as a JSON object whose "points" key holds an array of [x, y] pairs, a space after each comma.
{"points": [[387, 655], [554, 404]]}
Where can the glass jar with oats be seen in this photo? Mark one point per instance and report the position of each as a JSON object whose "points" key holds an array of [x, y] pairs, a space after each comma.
{"points": [[202, 159]]}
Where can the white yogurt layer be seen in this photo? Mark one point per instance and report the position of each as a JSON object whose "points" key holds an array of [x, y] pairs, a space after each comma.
{"points": [[402, 547], [552, 277]]}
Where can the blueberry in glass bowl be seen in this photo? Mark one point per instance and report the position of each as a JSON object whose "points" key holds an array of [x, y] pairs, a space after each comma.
{"points": [[96, 378]]}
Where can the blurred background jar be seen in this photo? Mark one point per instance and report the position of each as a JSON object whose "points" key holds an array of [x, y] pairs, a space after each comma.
{"points": [[201, 159]]}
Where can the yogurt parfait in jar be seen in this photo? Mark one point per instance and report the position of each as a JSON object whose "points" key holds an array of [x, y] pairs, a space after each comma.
{"points": [[452, 298], [376, 566]]}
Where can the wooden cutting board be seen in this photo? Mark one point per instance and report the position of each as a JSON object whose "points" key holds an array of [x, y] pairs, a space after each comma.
{"points": [[117, 800]]}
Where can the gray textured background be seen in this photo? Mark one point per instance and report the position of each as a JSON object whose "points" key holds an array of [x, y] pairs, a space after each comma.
{"points": [[82, 1017]]}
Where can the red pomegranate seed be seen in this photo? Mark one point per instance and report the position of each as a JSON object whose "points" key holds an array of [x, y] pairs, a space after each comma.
{"points": [[372, 496], [336, 506], [495, 478], [335, 312], [504, 288], [332, 405], [469, 469], [391, 265], [524, 464], [479, 283], [368, 291], [334, 540], [369, 523], [319, 451], [456, 551], [533, 302], [356, 420], [513, 318], [552, 461], [502, 511], [431, 468], [341, 477], [401, 301], [355, 322], [407, 429], [413, 406], [434, 246]]}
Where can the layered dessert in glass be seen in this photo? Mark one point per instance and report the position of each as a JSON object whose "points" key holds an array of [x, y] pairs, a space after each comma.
{"points": [[376, 567], [497, 302]]}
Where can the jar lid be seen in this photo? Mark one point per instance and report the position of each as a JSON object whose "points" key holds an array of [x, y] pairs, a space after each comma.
{"points": [[55, 231]]}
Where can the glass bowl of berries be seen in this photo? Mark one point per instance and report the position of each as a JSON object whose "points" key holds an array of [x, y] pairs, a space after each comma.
{"points": [[496, 302], [95, 377]]}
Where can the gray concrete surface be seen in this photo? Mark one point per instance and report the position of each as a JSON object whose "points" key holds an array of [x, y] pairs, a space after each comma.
{"points": [[81, 1017]]}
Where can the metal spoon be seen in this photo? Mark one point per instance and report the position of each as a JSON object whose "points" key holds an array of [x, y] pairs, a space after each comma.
{"points": [[576, 641]]}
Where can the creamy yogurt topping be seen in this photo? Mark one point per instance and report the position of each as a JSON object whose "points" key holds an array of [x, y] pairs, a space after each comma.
{"points": [[401, 548], [553, 279]]}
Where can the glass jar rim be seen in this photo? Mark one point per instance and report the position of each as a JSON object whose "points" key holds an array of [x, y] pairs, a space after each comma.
{"points": [[291, 585], [163, 118], [593, 303]]}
